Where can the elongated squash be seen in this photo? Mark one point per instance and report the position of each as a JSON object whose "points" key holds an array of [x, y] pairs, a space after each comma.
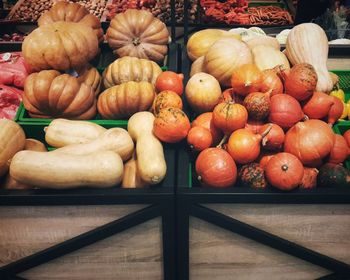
{"points": [[131, 176], [308, 43], [115, 139], [63, 171], [62, 132]]}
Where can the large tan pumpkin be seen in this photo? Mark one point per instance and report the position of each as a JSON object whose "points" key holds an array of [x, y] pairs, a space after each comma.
{"points": [[139, 34], [90, 76], [72, 12], [128, 68], [50, 94], [12, 140], [224, 56], [124, 100], [60, 46]]}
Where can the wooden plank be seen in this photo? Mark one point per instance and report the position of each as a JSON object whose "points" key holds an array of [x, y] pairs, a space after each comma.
{"points": [[323, 228], [219, 254], [133, 254], [25, 230]]}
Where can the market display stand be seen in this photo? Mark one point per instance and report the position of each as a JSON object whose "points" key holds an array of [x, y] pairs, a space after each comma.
{"points": [[242, 233], [84, 233]]}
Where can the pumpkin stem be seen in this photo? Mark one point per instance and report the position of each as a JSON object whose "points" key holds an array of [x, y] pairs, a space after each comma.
{"points": [[305, 118], [281, 72], [284, 167], [136, 41], [223, 141], [199, 178], [267, 130]]}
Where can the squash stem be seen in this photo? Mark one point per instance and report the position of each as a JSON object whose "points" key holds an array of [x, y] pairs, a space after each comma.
{"points": [[223, 141]]}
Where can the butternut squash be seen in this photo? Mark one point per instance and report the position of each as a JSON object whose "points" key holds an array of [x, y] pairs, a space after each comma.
{"points": [[267, 57], [149, 150], [62, 171], [197, 66], [308, 43], [131, 176], [34, 145], [115, 139], [63, 132], [12, 140]]}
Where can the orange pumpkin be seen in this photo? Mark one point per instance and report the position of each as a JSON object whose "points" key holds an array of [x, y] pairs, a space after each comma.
{"points": [[90, 76], [50, 94], [166, 99], [205, 120], [246, 79], [169, 80], [199, 138], [171, 125]]}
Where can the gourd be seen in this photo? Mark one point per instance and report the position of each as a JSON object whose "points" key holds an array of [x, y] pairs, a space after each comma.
{"points": [[267, 57], [124, 100], [149, 150], [224, 56], [307, 42], [60, 46], [50, 94], [63, 132], [114, 139], [12, 140], [200, 42], [252, 175], [72, 12], [131, 176], [90, 76], [62, 171], [128, 68], [333, 175], [139, 34]]}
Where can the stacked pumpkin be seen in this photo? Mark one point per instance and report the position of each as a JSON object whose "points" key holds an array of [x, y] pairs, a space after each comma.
{"points": [[272, 124]]}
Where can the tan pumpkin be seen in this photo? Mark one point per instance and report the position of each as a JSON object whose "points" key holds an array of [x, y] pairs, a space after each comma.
{"points": [[60, 46], [200, 42], [224, 56], [124, 100], [90, 76], [263, 41], [12, 140], [139, 34], [267, 57], [50, 94], [128, 68], [72, 12]]}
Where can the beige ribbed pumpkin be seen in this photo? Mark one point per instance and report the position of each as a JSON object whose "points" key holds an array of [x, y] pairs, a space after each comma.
{"points": [[224, 56], [60, 46], [128, 69], [72, 12], [124, 100], [139, 34], [267, 57], [90, 76]]}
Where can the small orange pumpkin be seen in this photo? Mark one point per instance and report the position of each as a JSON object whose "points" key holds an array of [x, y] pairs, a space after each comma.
{"points": [[171, 125], [199, 138], [165, 99], [246, 79]]}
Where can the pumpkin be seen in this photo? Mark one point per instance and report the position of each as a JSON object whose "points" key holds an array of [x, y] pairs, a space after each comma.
{"points": [[254, 126], [270, 81], [139, 34], [318, 106], [267, 41], [200, 42], [50, 94], [90, 76], [347, 136], [216, 168], [72, 12], [336, 111], [199, 138], [252, 175], [257, 105], [264, 158], [202, 92], [12, 140], [301, 81], [309, 180], [333, 175], [229, 116], [308, 43], [171, 125], [246, 79], [60, 46], [224, 56], [124, 100], [340, 150], [285, 110], [310, 141], [166, 99], [205, 120], [169, 80], [229, 95], [197, 66], [274, 139], [284, 171], [128, 69], [266, 57]]}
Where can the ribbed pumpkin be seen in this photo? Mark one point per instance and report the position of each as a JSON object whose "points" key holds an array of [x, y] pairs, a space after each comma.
{"points": [[12, 140], [138, 33], [128, 69], [60, 46], [90, 76], [50, 94], [72, 12], [224, 56], [124, 100]]}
